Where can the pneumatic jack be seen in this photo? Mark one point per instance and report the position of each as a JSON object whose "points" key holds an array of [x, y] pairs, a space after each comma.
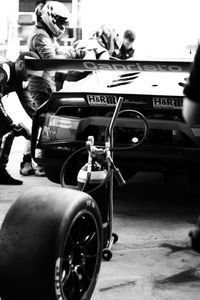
{"points": [[97, 174]]}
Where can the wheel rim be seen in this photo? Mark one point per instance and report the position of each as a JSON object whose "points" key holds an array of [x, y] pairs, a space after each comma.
{"points": [[80, 256]]}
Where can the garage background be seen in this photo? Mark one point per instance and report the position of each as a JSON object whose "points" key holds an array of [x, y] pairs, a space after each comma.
{"points": [[163, 28]]}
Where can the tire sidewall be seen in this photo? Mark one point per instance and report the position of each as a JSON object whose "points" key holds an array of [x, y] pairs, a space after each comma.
{"points": [[88, 206]]}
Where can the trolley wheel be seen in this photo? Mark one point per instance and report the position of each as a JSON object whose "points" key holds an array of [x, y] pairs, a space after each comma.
{"points": [[107, 254], [115, 237], [50, 246]]}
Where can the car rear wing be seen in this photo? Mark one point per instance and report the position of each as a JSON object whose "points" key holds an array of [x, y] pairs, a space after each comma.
{"points": [[172, 65]]}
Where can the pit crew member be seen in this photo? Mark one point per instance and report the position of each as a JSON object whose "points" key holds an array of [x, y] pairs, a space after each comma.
{"points": [[102, 45], [127, 51], [109, 39], [86, 49], [50, 26], [13, 78]]}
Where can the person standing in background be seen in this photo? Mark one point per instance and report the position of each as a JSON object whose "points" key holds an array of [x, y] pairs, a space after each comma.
{"points": [[126, 51], [52, 18], [108, 38]]}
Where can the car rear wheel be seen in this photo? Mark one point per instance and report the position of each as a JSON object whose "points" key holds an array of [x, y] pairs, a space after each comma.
{"points": [[52, 171]]}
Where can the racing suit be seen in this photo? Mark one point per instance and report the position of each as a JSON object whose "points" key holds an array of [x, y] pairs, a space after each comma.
{"points": [[10, 82], [124, 53], [86, 49], [44, 44]]}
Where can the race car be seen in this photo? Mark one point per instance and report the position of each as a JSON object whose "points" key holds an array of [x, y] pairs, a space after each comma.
{"points": [[84, 107]]}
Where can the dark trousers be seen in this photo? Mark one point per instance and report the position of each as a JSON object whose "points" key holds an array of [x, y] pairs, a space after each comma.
{"points": [[6, 141], [39, 98], [7, 136]]}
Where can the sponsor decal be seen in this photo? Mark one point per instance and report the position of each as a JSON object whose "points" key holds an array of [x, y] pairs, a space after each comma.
{"points": [[57, 279], [167, 102], [110, 100], [48, 133], [63, 123], [90, 203], [102, 100], [135, 102], [138, 66]]}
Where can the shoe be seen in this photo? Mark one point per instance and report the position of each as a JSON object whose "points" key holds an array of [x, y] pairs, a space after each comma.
{"points": [[26, 167], [6, 178], [39, 171]]}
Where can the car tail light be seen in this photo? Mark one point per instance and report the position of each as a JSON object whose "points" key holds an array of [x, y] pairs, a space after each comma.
{"points": [[58, 128]]}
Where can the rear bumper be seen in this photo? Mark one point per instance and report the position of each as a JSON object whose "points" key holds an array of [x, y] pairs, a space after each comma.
{"points": [[58, 142], [143, 158], [75, 126]]}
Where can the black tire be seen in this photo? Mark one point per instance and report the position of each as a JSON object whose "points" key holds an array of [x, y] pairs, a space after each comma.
{"points": [[53, 172], [50, 246], [175, 185], [53, 161], [126, 171], [71, 167]]}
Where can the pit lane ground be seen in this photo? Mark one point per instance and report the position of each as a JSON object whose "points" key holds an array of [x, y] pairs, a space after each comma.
{"points": [[152, 259]]}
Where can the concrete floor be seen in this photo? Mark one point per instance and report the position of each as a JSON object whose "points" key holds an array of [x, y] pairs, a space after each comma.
{"points": [[152, 259]]}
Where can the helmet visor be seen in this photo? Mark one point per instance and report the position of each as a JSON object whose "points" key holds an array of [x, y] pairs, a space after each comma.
{"points": [[61, 22]]}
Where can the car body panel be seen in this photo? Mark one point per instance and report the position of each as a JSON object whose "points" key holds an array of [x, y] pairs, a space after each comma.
{"points": [[85, 107]]}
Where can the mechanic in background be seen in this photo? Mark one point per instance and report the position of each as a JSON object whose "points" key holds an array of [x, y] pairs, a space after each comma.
{"points": [[102, 45], [191, 104], [109, 39], [86, 49], [38, 9], [53, 18], [126, 51], [13, 78]]}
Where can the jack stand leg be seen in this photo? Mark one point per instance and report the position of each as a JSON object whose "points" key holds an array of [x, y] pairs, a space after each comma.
{"points": [[107, 252], [112, 237]]}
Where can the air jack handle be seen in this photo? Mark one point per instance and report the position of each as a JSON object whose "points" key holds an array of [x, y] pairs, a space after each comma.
{"points": [[118, 176], [116, 172], [114, 117]]}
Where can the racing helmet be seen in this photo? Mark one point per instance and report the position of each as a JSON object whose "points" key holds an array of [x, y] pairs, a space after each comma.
{"points": [[55, 15], [38, 11], [108, 38]]}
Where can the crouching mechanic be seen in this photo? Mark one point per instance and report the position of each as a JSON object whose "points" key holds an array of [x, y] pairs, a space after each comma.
{"points": [[52, 20], [13, 78]]}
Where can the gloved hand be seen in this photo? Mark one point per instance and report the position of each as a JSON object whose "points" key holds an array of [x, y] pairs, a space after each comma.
{"points": [[21, 130], [70, 53]]}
